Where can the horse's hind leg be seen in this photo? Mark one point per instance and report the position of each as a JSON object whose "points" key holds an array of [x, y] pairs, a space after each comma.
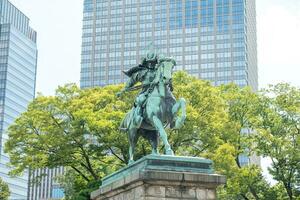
{"points": [[132, 137], [163, 135], [154, 142], [153, 138]]}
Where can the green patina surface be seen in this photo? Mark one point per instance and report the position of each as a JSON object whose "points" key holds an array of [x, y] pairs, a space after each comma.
{"points": [[162, 163], [155, 107]]}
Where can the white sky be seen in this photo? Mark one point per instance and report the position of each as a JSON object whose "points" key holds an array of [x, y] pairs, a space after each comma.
{"points": [[58, 23]]}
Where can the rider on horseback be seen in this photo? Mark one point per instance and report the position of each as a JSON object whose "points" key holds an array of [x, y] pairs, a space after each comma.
{"points": [[155, 107], [144, 73]]}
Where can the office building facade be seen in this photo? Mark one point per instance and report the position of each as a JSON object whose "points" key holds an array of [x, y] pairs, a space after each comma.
{"points": [[18, 62], [47, 187], [210, 39]]}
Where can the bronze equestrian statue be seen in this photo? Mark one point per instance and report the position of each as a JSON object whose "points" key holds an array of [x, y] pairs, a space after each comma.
{"points": [[155, 107]]}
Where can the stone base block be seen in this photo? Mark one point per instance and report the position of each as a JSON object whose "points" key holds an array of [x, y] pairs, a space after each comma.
{"points": [[162, 178]]}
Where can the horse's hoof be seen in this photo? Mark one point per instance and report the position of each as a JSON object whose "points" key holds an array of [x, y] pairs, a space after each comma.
{"points": [[177, 126], [179, 123], [130, 162], [169, 152]]}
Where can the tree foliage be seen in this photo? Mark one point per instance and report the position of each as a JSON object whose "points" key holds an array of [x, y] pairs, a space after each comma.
{"points": [[244, 181], [278, 136], [4, 190], [205, 116], [78, 129]]}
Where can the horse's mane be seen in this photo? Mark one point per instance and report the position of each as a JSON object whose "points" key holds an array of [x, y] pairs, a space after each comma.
{"points": [[167, 59]]}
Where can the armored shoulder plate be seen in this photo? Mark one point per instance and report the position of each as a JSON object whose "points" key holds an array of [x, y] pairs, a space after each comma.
{"points": [[133, 70]]}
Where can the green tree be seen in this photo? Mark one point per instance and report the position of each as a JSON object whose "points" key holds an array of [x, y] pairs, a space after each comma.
{"points": [[243, 181], [279, 135], [4, 190], [206, 116], [219, 124], [77, 129]]}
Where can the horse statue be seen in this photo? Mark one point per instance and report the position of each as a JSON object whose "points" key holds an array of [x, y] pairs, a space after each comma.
{"points": [[159, 109]]}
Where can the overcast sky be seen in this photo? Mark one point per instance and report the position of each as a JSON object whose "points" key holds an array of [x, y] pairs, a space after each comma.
{"points": [[58, 23]]}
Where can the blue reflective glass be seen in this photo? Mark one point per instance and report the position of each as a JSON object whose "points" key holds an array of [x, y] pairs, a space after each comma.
{"points": [[226, 2], [18, 70], [226, 10], [219, 2], [88, 7], [210, 12], [58, 193], [237, 1], [203, 12], [204, 3], [194, 4], [194, 13]]}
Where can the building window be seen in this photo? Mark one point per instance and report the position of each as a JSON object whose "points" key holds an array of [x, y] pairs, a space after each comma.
{"points": [[57, 192]]}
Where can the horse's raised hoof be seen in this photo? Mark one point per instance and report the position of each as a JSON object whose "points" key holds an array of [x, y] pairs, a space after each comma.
{"points": [[169, 152], [130, 162], [179, 123]]}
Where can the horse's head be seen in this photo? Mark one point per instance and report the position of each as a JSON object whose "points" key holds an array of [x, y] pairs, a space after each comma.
{"points": [[165, 66]]}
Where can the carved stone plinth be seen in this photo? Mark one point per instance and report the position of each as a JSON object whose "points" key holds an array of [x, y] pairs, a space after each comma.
{"points": [[162, 178]]}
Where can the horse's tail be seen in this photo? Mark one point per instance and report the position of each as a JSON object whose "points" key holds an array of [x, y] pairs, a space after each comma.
{"points": [[123, 127]]}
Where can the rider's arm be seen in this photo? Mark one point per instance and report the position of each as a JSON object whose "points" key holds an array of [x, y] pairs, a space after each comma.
{"points": [[130, 82]]}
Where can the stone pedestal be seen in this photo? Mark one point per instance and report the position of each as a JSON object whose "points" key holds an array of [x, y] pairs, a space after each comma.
{"points": [[162, 178]]}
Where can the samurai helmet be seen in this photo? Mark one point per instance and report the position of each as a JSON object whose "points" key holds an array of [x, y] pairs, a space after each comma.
{"points": [[151, 56]]}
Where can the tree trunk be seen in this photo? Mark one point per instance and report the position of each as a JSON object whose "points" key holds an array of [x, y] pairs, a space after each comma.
{"points": [[288, 190]]}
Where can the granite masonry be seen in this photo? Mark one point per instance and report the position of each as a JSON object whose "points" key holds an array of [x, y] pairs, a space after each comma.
{"points": [[162, 178]]}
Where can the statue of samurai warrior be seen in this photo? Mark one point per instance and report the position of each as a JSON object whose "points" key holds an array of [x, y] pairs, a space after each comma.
{"points": [[145, 73]]}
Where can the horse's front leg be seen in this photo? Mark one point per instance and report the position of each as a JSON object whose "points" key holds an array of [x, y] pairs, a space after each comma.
{"points": [[179, 121], [163, 135], [132, 137]]}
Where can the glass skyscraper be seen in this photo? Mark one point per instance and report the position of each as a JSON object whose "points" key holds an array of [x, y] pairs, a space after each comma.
{"points": [[210, 39], [18, 62], [47, 187]]}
